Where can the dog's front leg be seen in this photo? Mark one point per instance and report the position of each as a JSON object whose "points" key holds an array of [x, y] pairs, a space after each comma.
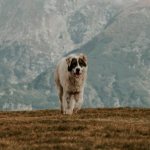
{"points": [[68, 104], [64, 103], [79, 102], [71, 104]]}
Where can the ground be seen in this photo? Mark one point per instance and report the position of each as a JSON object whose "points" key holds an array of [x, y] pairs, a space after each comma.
{"points": [[121, 128]]}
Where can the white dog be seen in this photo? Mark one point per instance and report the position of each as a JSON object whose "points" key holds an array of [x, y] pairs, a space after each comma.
{"points": [[70, 76]]}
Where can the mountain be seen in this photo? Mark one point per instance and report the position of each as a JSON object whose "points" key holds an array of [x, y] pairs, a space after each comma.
{"points": [[119, 59], [35, 34]]}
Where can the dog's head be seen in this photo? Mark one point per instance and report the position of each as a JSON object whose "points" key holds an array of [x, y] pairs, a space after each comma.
{"points": [[77, 64]]}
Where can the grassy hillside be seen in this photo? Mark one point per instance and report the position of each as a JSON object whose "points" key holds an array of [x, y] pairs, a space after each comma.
{"points": [[121, 128]]}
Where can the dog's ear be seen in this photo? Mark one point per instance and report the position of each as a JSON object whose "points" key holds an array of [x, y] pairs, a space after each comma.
{"points": [[68, 60], [83, 57]]}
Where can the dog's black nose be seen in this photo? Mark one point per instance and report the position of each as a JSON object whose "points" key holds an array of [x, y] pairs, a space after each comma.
{"points": [[78, 70]]}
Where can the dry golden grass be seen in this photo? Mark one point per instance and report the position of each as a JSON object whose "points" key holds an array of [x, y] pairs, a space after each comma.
{"points": [[114, 129]]}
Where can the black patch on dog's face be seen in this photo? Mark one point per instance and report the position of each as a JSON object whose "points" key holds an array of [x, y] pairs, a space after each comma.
{"points": [[73, 64], [82, 62]]}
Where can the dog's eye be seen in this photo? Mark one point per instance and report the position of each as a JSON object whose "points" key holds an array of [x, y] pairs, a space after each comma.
{"points": [[82, 63], [74, 63]]}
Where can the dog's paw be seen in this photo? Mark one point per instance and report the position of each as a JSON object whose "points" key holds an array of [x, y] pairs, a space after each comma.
{"points": [[68, 112], [76, 110]]}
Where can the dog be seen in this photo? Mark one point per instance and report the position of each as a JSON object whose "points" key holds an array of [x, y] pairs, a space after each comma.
{"points": [[70, 77]]}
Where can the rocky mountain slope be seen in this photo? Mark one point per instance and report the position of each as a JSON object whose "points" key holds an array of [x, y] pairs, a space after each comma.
{"points": [[119, 59], [35, 34]]}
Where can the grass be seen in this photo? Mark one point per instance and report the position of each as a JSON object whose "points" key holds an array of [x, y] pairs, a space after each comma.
{"points": [[122, 128]]}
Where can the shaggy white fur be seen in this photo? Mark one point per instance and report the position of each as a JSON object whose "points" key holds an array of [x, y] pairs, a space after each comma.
{"points": [[70, 76]]}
